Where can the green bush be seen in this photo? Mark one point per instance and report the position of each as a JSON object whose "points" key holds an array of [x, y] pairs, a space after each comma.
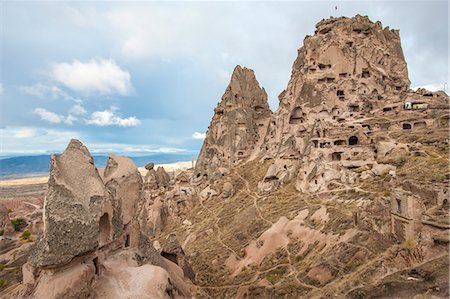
{"points": [[25, 235], [2, 266], [2, 283], [18, 224]]}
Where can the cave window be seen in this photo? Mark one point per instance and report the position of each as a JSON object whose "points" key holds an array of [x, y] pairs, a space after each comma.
{"points": [[105, 229], [366, 74], [315, 182], [339, 142], [406, 126], [353, 140], [127, 241], [336, 156], [170, 256], [399, 206], [96, 266], [340, 93]]}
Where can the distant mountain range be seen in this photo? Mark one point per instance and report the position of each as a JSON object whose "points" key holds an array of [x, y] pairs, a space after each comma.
{"points": [[24, 166]]}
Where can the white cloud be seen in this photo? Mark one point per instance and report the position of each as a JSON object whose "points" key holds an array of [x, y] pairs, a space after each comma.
{"points": [[48, 115], [46, 91], [108, 117], [102, 77], [54, 118], [77, 109], [39, 140], [198, 135], [25, 133]]}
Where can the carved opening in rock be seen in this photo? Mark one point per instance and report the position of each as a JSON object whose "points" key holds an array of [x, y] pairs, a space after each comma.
{"points": [[420, 125], [366, 126], [444, 121], [324, 66], [350, 44], [353, 108], [259, 109], [96, 265], [339, 142], [406, 126], [398, 88], [365, 74], [399, 206], [342, 75], [170, 256], [353, 140], [240, 153], [330, 79], [127, 240], [316, 143], [105, 229], [336, 156], [340, 93], [296, 116], [270, 178], [315, 182]]}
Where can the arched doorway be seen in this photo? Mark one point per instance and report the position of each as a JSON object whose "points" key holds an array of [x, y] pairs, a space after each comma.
{"points": [[104, 229]]}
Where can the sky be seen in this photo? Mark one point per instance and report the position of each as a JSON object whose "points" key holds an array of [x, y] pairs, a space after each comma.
{"points": [[144, 77]]}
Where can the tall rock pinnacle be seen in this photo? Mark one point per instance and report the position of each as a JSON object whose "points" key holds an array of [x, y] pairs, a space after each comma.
{"points": [[237, 127]]}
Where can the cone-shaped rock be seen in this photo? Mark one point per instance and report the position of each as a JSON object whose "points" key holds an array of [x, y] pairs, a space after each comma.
{"points": [[237, 127]]}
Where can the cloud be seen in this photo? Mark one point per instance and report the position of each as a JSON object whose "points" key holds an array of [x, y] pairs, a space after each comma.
{"points": [[25, 133], [198, 135], [77, 109], [102, 77], [108, 117], [46, 91], [54, 118], [38, 140], [1, 89]]}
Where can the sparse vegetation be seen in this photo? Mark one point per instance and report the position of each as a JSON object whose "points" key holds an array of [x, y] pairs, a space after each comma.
{"points": [[26, 235], [2, 283], [18, 224]]}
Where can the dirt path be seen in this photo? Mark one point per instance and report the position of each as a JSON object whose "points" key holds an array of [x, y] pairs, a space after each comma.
{"points": [[255, 198]]}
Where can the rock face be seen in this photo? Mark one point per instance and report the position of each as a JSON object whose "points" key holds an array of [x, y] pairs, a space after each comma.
{"points": [[5, 223], [348, 70], [350, 141], [77, 208], [92, 229], [237, 127], [125, 183]]}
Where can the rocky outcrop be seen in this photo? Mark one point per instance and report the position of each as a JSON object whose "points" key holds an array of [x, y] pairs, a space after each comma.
{"points": [[124, 181], [237, 128], [92, 229], [77, 208], [6, 226]]}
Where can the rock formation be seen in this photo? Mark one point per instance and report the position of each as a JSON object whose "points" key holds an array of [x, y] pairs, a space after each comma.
{"points": [[6, 226], [92, 244], [76, 207], [350, 141], [237, 128]]}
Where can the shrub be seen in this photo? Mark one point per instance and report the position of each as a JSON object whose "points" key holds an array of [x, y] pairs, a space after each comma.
{"points": [[25, 235], [18, 224], [2, 283], [2, 266], [400, 161], [410, 243]]}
